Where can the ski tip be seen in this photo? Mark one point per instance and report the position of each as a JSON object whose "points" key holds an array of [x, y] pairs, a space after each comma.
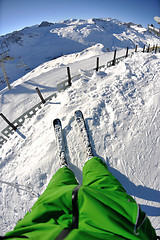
{"points": [[56, 121], [78, 112]]}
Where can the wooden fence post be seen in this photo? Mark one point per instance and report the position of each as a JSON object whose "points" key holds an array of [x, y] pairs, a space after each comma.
{"points": [[7, 121], [143, 48], [69, 76], [127, 52], [40, 95], [97, 67], [136, 48], [156, 48], [5, 74], [114, 58], [148, 48]]}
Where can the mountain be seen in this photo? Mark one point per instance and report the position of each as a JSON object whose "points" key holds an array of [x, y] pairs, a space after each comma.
{"points": [[37, 44], [121, 105]]}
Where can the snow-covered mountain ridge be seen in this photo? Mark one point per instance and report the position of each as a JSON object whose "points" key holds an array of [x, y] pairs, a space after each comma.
{"points": [[34, 45]]}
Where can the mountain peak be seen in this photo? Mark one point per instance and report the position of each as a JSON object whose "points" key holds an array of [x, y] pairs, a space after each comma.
{"points": [[45, 24]]}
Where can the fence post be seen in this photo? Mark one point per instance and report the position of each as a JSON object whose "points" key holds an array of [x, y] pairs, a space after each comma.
{"points": [[127, 52], [40, 95], [9, 123], [114, 58], [97, 67], [144, 48], [5, 74], [136, 48], [156, 48], [148, 48], [69, 76]]}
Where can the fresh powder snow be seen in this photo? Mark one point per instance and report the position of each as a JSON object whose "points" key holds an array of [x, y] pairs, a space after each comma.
{"points": [[121, 106]]}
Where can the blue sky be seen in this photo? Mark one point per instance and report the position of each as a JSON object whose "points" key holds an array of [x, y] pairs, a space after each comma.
{"points": [[17, 14]]}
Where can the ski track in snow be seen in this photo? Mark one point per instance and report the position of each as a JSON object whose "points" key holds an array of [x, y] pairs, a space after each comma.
{"points": [[121, 106]]}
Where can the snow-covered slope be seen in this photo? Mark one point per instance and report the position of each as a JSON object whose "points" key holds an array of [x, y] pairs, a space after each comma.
{"points": [[46, 76], [37, 44], [122, 110], [121, 105]]}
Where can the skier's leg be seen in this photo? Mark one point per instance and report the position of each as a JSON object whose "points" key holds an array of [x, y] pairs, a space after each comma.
{"points": [[64, 176], [55, 201], [97, 175], [63, 182]]}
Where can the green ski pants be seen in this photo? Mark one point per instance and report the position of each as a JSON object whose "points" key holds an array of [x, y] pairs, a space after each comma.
{"points": [[95, 174]]}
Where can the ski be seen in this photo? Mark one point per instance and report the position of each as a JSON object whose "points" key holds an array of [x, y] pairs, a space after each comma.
{"points": [[83, 132], [60, 141]]}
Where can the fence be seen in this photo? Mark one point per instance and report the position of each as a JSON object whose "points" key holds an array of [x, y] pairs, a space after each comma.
{"points": [[12, 127], [154, 30]]}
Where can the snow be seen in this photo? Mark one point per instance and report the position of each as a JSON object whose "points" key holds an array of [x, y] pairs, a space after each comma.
{"points": [[121, 106], [36, 44]]}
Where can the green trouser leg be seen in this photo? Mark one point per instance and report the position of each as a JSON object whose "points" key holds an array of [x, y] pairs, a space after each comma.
{"points": [[62, 178], [97, 175]]}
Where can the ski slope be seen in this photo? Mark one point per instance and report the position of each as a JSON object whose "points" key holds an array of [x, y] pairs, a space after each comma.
{"points": [[121, 105], [46, 77]]}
